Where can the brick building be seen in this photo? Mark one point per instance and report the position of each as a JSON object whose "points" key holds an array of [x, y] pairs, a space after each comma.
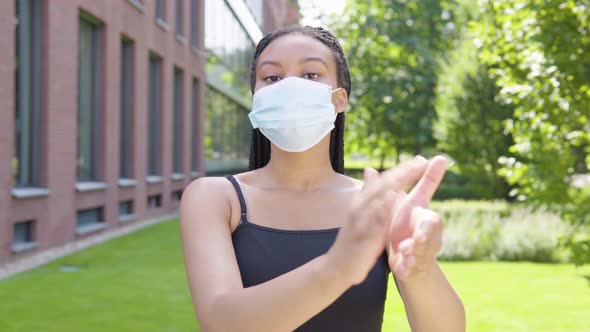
{"points": [[107, 110]]}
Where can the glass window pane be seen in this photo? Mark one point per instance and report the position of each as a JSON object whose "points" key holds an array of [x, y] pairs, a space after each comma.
{"points": [[28, 59], [194, 23], [85, 102], [195, 126], [89, 217], [228, 131], [126, 92], [23, 232], [154, 115], [178, 115], [160, 9], [89, 100], [180, 17], [125, 208]]}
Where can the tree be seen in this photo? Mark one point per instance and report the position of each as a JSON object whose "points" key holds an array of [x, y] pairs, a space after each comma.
{"points": [[538, 51], [469, 115], [393, 48]]}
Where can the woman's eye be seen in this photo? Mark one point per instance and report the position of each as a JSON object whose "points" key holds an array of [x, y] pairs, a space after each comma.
{"points": [[311, 76], [272, 78]]}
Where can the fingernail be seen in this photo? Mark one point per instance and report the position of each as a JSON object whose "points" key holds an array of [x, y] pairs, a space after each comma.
{"points": [[450, 162], [420, 158]]}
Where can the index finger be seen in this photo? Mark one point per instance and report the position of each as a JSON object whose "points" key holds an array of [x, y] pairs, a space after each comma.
{"points": [[396, 179], [428, 184]]}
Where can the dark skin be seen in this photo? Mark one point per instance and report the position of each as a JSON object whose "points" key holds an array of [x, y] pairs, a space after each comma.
{"points": [[301, 191]]}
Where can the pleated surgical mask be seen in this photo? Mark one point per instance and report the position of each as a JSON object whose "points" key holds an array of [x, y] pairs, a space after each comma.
{"points": [[294, 113]]}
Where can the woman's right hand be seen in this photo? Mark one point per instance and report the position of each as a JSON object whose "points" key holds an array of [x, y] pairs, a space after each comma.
{"points": [[364, 234]]}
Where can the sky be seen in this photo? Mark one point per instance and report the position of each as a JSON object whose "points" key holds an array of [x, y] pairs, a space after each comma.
{"points": [[311, 8]]}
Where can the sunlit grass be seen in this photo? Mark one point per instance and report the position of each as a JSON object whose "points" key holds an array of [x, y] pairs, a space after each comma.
{"points": [[515, 297]]}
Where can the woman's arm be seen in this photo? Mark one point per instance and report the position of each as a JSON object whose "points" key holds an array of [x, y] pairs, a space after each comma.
{"points": [[220, 300], [431, 303], [416, 239]]}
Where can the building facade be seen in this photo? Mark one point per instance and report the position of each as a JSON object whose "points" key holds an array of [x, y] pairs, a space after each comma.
{"points": [[105, 106]]}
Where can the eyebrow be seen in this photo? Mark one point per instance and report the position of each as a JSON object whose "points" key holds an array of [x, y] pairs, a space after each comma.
{"points": [[314, 59], [274, 63], [308, 59]]}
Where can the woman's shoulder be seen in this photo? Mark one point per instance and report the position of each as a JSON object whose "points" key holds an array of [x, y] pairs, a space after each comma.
{"points": [[211, 195], [210, 185]]}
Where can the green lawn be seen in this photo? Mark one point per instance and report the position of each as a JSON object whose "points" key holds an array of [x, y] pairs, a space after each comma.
{"points": [[137, 283]]}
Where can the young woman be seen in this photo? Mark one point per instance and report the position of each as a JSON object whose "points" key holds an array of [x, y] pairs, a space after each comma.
{"points": [[293, 244]]}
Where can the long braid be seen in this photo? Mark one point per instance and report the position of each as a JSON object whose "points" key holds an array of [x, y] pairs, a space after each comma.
{"points": [[260, 145]]}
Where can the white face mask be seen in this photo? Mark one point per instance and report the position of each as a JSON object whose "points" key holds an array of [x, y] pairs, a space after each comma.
{"points": [[294, 113]]}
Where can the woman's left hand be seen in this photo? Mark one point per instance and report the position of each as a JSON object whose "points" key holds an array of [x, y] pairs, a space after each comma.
{"points": [[416, 231]]}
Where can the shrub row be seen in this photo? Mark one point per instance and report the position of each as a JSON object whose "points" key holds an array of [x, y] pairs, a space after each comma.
{"points": [[499, 231]]}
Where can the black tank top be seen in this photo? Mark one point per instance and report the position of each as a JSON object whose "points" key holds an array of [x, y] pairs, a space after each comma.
{"points": [[264, 253]]}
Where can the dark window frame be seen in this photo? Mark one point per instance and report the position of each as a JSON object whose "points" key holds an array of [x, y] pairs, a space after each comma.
{"points": [[28, 155], [154, 201], [87, 213], [179, 20], [176, 195], [160, 10], [177, 124], [155, 108], [96, 108], [195, 125], [194, 36], [29, 225], [127, 98], [127, 206]]}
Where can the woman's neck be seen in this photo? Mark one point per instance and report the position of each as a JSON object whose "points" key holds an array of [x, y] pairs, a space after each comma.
{"points": [[303, 171]]}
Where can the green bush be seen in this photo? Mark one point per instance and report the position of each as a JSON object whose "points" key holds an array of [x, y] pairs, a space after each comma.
{"points": [[499, 231], [455, 186]]}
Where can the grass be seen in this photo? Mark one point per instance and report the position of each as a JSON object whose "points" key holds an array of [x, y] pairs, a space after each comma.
{"points": [[137, 283], [501, 296]]}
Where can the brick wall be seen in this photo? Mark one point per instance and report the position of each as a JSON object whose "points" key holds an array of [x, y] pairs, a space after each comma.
{"points": [[55, 214]]}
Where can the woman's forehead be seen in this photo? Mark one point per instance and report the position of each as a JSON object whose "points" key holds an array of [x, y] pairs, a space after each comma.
{"points": [[294, 48]]}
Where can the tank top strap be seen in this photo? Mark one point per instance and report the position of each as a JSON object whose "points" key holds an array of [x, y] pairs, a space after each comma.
{"points": [[238, 188]]}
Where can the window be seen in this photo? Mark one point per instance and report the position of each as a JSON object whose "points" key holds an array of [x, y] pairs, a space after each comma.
{"points": [[160, 9], [154, 115], [194, 35], [180, 17], [89, 217], [228, 134], [195, 126], [125, 208], [126, 125], [28, 153], [177, 147], [228, 41], [257, 9], [23, 232], [177, 195], [89, 99], [154, 201]]}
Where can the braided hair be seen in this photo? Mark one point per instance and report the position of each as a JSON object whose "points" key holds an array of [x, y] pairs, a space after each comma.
{"points": [[260, 145]]}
